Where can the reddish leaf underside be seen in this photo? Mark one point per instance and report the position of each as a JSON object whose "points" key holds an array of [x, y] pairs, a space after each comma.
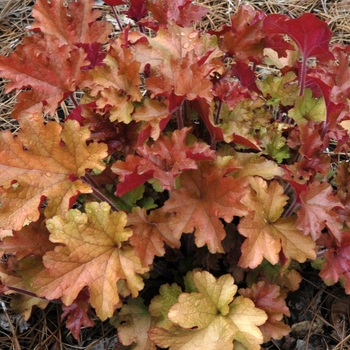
{"points": [[77, 314], [310, 33], [268, 297]]}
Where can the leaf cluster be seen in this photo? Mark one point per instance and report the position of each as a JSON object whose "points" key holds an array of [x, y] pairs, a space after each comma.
{"points": [[189, 182]]}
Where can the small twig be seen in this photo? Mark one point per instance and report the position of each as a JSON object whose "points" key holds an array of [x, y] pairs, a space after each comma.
{"points": [[17, 346]]}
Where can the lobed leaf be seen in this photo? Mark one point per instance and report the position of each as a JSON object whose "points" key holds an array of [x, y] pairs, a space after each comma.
{"points": [[44, 162], [204, 197], [135, 322], [51, 71], [211, 318], [91, 254], [76, 22], [267, 233]]}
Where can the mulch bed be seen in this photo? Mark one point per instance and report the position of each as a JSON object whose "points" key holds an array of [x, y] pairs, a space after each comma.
{"points": [[320, 315]]}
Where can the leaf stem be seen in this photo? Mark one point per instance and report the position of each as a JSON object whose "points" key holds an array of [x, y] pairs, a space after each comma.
{"points": [[23, 291], [180, 122], [290, 209], [97, 192], [142, 28], [302, 77], [218, 112], [73, 99], [117, 18], [162, 271]]}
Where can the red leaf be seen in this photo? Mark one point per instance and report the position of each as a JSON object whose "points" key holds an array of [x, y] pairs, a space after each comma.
{"points": [[133, 180], [137, 10], [317, 211], [268, 298], [163, 160], [229, 91], [202, 107], [277, 43], [337, 264], [310, 33], [114, 2], [77, 314], [244, 37], [184, 12], [245, 75], [94, 54]]}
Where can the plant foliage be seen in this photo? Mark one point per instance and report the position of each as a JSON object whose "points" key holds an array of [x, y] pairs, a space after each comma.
{"points": [[191, 180]]}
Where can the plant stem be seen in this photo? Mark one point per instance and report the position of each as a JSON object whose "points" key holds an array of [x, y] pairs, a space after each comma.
{"points": [[97, 192], [142, 28], [117, 18], [218, 112], [180, 122], [216, 121], [302, 77], [73, 99], [291, 209], [23, 291]]}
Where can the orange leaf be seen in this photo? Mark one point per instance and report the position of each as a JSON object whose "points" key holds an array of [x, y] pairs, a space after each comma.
{"points": [[93, 255], [71, 24], [317, 211], [52, 72], [185, 78], [205, 196], [267, 234], [150, 233], [31, 239], [153, 113], [118, 84], [34, 166], [244, 36]]}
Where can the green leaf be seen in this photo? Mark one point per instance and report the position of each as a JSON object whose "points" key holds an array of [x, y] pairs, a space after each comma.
{"points": [[280, 90], [308, 108], [161, 304], [274, 143]]}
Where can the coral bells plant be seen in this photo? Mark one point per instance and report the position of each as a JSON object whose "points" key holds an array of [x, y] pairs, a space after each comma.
{"points": [[189, 182]]}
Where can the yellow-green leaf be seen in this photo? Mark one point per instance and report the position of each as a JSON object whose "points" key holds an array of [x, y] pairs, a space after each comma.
{"points": [[211, 318], [307, 108], [161, 304]]}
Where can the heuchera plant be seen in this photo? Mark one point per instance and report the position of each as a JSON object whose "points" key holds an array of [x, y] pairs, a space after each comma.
{"points": [[193, 164]]}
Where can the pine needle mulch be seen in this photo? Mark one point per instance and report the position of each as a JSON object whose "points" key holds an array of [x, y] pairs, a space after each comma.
{"points": [[320, 316]]}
